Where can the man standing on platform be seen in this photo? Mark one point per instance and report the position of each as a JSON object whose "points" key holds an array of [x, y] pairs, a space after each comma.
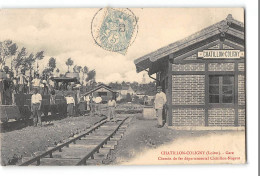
{"points": [[98, 101], [159, 102], [36, 107], [111, 109], [70, 105]]}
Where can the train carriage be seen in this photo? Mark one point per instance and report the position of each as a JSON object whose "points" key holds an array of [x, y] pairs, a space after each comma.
{"points": [[22, 105]]}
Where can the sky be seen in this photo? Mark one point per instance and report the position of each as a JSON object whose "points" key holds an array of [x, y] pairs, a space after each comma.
{"points": [[66, 33]]}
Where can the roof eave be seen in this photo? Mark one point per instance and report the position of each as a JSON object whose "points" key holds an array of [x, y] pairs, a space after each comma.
{"points": [[145, 62]]}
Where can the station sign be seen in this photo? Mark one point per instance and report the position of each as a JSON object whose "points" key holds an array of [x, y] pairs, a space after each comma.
{"points": [[221, 54]]}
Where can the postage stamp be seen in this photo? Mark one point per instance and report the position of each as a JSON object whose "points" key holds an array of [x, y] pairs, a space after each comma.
{"points": [[117, 30]]}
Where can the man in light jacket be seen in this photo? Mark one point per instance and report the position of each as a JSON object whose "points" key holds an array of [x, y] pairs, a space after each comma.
{"points": [[159, 102], [70, 105], [98, 101], [36, 102], [111, 109]]}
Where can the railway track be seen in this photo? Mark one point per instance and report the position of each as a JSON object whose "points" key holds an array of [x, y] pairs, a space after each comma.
{"points": [[89, 148]]}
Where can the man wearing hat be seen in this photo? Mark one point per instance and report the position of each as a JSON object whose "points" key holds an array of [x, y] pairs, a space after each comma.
{"points": [[98, 101], [159, 102], [36, 82], [36, 102], [22, 82], [70, 105]]}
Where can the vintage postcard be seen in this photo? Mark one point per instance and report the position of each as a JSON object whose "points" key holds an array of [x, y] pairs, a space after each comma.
{"points": [[122, 86]]}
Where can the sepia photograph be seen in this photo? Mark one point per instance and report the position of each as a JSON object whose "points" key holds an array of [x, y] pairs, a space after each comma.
{"points": [[122, 86]]}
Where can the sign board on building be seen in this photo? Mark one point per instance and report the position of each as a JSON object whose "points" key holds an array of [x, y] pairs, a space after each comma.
{"points": [[221, 54]]}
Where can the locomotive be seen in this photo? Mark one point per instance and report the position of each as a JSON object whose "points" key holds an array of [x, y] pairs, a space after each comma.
{"points": [[22, 108]]}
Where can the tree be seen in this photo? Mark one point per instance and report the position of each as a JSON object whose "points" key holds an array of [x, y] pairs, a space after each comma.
{"points": [[91, 76], [75, 69], [7, 49], [47, 71], [84, 71], [39, 56], [52, 63], [57, 71], [19, 60], [79, 68], [69, 63], [28, 63]]}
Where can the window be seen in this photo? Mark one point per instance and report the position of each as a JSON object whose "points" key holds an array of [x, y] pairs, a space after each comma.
{"points": [[102, 94], [221, 89]]}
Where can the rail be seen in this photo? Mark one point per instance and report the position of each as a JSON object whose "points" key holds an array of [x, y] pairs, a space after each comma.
{"points": [[59, 147], [96, 149], [88, 155]]}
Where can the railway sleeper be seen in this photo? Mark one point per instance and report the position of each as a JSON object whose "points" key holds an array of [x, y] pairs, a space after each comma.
{"points": [[122, 129], [102, 154], [71, 153], [101, 133], [94, 162], [94, 137], [119, 132], [117, 136], [124, 126], [86, 141], [112, 126], [110, 146], [58, 162]]}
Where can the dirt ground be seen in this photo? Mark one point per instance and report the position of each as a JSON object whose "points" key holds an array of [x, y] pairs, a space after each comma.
{"points": [[21, 139], [27, 141], [143, 143]]}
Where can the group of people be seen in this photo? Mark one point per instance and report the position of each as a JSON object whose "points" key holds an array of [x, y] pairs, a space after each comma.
{"points": [[10, 85], [92, 104], [25, 84]]}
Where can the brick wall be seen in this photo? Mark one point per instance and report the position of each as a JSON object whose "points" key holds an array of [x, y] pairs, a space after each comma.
{"points": [[241, 117], [221, 117], [241, 89], [221, 67], [188, 117], [188, 90], [188, 67], [241, 67]]}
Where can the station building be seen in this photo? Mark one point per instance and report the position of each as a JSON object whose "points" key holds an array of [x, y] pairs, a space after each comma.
{"points": [[104, 91], [203, 76]]}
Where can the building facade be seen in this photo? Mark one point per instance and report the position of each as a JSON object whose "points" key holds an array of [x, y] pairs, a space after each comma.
{"points": [[203, 76], [103, 91]]}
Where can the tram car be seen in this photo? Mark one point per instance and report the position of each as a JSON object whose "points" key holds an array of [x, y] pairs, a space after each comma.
{"points": [[22, 108]]}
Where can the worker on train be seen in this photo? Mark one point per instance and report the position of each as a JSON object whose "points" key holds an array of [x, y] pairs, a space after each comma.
{"points": [[36, 82], [22, 82]]}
